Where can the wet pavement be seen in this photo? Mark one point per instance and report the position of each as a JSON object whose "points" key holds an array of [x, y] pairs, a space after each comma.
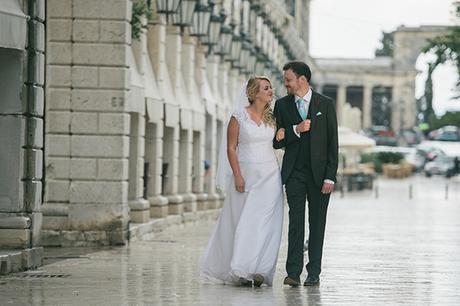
{"points": [[396, 244]]}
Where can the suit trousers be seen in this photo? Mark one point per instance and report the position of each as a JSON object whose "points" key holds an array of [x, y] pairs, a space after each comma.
{"points": [[300, 187]]}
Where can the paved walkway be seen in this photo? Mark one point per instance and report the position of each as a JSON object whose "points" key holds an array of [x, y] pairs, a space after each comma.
{"points": [[385, 251]]}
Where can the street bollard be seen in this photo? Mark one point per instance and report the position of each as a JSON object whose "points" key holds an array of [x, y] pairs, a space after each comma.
{"points": [[342, 192], [410, 192], [447, 192], [376, 191]]}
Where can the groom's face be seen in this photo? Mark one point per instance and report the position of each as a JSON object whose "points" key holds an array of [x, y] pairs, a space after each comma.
{"points": [[292, 82]]}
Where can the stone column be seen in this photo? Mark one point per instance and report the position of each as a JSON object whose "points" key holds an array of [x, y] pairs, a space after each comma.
{"points": [[156, 37], [174, 59], [22, 77], [367, 106], [210, 142], [89, 146], [57, 126], [154, 154], [198, 115], [139, 206], [341, 100]]}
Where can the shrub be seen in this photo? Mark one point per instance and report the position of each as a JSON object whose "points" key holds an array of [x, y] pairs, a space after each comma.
{"points": [[380, 158]]}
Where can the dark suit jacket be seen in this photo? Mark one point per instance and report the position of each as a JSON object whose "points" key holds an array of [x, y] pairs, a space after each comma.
{"points": [[323, 136]]}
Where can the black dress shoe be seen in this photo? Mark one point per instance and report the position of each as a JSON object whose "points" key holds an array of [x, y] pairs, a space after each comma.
{"points": [[291, 281], [311, 281], [245, 282], [258, 280]]}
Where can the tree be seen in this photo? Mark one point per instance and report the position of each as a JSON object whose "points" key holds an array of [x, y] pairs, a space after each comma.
{"points": [[387, 45], [447, 48]]}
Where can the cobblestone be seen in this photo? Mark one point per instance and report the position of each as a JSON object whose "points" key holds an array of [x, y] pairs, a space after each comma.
{"points": [[381, 251]]}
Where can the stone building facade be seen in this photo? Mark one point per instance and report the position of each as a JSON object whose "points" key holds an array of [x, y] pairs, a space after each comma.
{"points": [[116, 137], [381, 90], [22, 79]]}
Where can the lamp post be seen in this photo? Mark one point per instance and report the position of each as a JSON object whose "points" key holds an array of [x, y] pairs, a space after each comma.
{"points": [[167, 7], [184, 14], [235, 48], [260, 64], [200, 20], [251, 63], [242, 62], [225, 40], [215, 24]]}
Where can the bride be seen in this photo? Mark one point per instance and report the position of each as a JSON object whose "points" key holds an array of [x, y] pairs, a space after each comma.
{"points": [[243, 248]]}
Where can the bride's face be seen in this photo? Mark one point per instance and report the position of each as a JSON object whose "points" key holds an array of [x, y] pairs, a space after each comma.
{"points": [[265, 91]]}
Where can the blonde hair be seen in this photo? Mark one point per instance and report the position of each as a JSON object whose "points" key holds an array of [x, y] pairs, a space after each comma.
{"points": [[252, 89]]}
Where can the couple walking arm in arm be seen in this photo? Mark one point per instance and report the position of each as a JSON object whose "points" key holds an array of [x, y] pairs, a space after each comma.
{"points": [[244, 246]]}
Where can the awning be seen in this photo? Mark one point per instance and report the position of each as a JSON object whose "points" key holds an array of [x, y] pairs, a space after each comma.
{"points": [[350, 139], [13, 25]]}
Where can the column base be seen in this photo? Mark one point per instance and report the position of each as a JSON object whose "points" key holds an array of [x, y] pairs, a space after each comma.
{"points": [[189, 202], [175, 206], [158, 206], [139, 210], [202, 201], [213, 201]]}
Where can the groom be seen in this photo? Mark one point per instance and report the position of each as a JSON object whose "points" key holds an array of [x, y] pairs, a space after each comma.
{"points": [[307, 130]]}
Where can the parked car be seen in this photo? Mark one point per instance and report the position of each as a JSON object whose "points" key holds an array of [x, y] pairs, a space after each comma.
{"points": [[382, 135], [442, 165], [446, 133]]}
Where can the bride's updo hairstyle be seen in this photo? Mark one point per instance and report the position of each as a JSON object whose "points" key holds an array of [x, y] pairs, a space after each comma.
{"points": [[251, 91]]}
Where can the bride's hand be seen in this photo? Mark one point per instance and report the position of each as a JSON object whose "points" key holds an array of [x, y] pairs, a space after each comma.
{"points": [[280, 134], [239, 183]]}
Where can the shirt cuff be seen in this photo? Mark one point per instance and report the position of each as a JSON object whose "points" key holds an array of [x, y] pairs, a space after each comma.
{"points": [[295, 132], [329, 181]]}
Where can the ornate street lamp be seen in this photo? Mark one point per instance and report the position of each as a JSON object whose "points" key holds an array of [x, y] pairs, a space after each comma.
{"points": [[225, 40], [200, 20], [251, 65], [167, 7], [244, 55], [184, 14], [215, 25], [260, 64], [235, 48]]}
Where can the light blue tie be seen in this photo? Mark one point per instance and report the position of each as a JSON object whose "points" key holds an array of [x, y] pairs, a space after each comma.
{"points": [[301, 108]]}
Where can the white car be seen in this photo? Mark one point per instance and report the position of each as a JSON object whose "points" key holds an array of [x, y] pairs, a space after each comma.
{"points": [[442, 165]]}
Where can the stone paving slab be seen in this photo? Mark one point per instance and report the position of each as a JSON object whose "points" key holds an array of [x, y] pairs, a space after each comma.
{"points": [[381, 251]]}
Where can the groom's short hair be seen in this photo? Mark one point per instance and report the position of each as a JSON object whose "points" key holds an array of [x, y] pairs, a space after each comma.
{"points": [[299, 68]]}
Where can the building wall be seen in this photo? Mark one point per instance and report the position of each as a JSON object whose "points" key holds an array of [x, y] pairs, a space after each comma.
{"points": [[21, 155], [397, 72], [130, 124]]}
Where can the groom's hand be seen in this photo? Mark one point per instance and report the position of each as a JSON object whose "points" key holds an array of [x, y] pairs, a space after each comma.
{"points": [[303, 126], [327, 188]]}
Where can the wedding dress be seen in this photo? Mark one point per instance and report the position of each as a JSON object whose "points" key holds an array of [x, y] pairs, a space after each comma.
{"points": [[247, 236]]}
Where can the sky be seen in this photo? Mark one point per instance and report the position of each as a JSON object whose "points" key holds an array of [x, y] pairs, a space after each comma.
{"points": [[352, 29]]}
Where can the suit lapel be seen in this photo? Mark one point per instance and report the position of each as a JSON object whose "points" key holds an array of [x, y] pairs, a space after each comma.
{"points": [[314, 105], [293, 108]]}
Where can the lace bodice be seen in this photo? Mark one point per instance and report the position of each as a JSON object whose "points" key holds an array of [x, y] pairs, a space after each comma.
{"points": [[254, 141]]}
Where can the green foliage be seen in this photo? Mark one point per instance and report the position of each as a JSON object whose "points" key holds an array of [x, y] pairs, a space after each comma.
{"points": [[372, 158], [449, 118], [387, 45], [447, 47], [380, 158], [140, 8]]}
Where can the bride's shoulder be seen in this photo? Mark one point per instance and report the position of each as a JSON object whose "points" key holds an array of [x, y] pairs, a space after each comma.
{"points": [[240, 115]]}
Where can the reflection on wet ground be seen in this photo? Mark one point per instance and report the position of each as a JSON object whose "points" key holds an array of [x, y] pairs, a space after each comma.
{"points": [[381, 251]]}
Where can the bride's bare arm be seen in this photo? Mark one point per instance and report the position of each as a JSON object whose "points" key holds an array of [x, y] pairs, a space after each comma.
{"points": [[232, 143]]}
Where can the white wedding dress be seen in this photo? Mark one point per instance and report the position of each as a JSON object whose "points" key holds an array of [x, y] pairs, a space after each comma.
{"points": [[247, 236]]}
